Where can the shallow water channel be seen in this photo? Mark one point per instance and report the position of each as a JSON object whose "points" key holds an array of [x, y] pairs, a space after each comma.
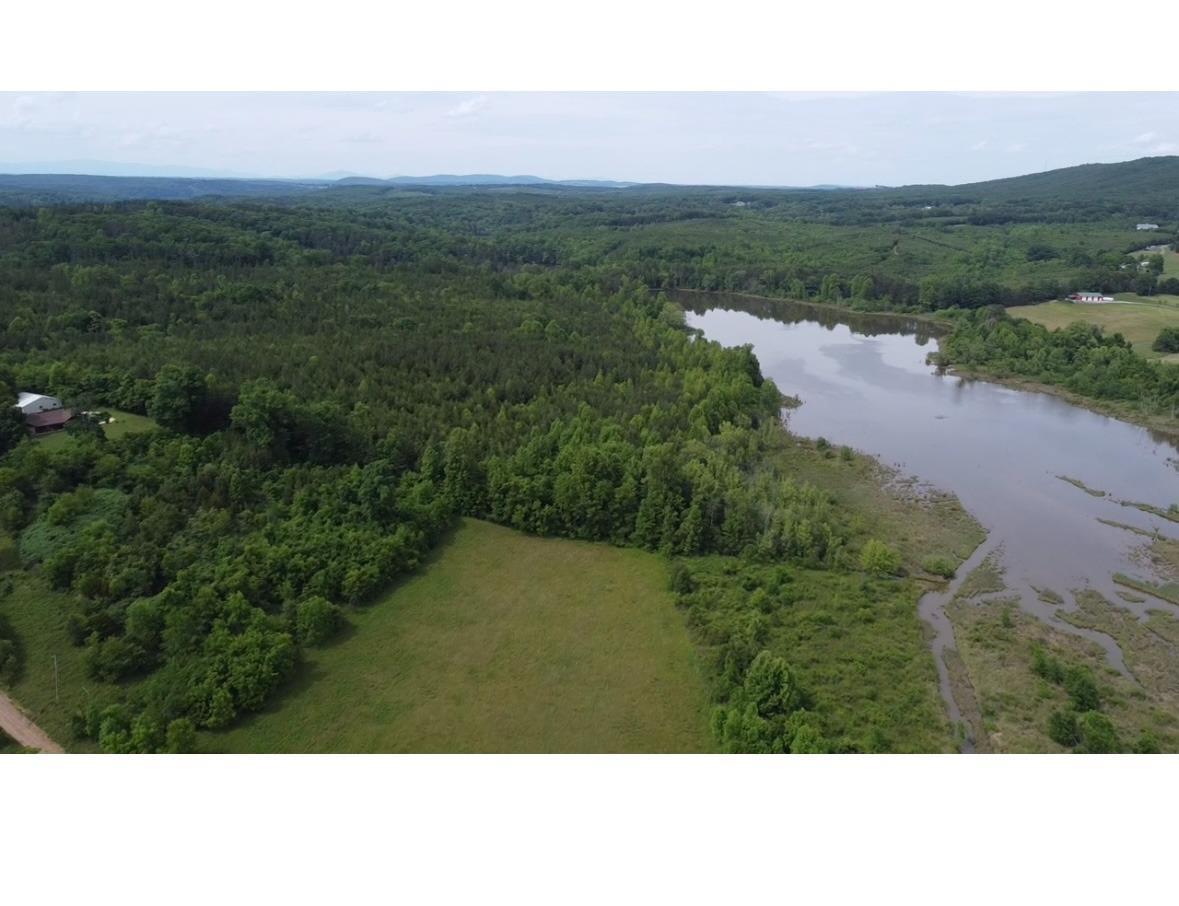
{"points": [[864, 382]]}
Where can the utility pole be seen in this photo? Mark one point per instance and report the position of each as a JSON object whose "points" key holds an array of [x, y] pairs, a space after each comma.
{"points": [[56, 689]]}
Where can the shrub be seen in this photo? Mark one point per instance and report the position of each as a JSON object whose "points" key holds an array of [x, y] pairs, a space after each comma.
{"points": [[1063, 729], [939, 566], [10, 659], [765, 714], [1147, 744], [180, 736], [1098, 735], [113, 658], [1082, 689], [1167, 340], [879, 559], [317, 620], [681, 579], [1045, 665], [69, 507]]}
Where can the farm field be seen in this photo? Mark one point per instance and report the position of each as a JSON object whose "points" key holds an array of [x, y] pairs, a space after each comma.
{"points": [[503, 643], [1138, 322]]}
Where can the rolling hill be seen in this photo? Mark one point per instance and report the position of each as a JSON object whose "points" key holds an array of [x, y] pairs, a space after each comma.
{"points": [[1152, 182]]}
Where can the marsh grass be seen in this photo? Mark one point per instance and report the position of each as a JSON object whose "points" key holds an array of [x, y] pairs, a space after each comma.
{"points": [[995, 640], [1077, 483], [1166, 591]]}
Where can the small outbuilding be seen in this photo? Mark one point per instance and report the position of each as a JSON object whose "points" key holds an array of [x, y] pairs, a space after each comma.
{"points": [[1147, 226]]}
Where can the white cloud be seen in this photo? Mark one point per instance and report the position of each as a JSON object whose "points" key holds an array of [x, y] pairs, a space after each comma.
{"points": [[469, 107], [1144, 138]]}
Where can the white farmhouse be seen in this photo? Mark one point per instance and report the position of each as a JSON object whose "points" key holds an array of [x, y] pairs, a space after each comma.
{"points": [[1147, 226]]}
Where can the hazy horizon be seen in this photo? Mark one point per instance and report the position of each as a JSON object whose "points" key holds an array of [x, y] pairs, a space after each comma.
{"points": [[691, 138]]}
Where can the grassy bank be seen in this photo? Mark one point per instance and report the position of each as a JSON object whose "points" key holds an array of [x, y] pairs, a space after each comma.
{"points": [[503, 643], [922, 522], [856, 642]]}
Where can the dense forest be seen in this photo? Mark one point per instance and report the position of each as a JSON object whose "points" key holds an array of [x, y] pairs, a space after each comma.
{"points": [[337, 377], [326, 419]]}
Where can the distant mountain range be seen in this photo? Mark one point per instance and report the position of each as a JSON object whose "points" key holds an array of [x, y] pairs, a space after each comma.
{"points": [[1130, 182], [65, 188], [491, 179]]}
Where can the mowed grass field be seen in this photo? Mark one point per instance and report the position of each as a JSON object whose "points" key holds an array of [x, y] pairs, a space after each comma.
{"points": [[1138, 322], [124, 423], [502, 643]]}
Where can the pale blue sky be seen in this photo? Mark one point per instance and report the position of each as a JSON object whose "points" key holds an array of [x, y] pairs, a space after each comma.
{"points": [[759, 139]]}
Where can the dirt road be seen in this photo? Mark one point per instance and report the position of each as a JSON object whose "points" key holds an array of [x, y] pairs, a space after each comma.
{"points": [[24, 731]]}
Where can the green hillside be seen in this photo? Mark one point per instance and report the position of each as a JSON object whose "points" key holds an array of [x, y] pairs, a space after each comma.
{"points": [[1148, 185]]}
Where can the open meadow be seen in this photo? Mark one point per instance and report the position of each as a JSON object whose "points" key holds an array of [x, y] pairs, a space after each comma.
{"points": [[1138, 321], [503, 643], [121, 423]]}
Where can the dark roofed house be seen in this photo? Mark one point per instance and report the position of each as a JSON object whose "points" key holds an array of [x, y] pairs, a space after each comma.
{"points": [[45, 422]]}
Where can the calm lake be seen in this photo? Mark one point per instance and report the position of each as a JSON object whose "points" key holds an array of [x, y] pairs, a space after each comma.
{"points": [[864, 382]]}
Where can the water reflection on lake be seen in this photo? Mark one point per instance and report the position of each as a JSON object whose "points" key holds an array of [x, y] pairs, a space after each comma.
{"points": [[864, 381]]}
